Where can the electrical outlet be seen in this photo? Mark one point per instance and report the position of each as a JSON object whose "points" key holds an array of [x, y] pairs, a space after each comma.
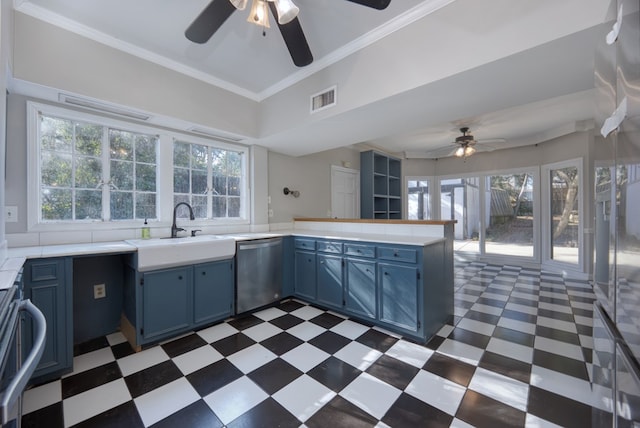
{"points": [[99, 291], [11, 214]]}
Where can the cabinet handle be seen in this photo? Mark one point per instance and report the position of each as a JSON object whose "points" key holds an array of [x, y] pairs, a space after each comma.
{"points": [[386, 273], [321, 262], [395, 254], [203, 273], [180, 277]]}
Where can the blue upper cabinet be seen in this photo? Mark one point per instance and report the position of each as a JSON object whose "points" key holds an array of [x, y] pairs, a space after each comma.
{"points": [[380, 186]]}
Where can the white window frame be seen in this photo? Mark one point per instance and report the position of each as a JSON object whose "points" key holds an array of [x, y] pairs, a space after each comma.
{"points": [[164, 162], [431, 182]]}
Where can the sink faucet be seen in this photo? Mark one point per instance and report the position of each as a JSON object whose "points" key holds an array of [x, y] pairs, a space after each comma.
{"points": [[175, 229]]}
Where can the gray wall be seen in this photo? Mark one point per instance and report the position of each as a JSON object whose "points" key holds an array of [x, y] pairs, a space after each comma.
{"points": [[311, 176]]}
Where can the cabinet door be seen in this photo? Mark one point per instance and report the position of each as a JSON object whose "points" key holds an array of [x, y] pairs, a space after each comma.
{"points": [[360, 291], [399, 295], [305, 275], [48, 285], [330, 280], [212, 291], [166, 302]]}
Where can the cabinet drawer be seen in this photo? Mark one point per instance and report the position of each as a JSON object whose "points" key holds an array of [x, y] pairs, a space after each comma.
{"points": [[397, 254], [44, 271], [360, 250], [329, 247], [305, 244]]}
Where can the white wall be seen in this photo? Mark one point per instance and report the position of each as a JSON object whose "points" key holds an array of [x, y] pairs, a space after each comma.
{"points": [[6, 31]]}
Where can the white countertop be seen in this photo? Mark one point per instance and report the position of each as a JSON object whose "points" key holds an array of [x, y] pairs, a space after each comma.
{"points": [[17, 256]]}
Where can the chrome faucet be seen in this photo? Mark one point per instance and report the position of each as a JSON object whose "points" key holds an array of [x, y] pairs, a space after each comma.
{"points": [[175, 229]]}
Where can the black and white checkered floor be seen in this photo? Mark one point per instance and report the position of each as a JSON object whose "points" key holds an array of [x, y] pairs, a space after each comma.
{"points": [[519, 355]]}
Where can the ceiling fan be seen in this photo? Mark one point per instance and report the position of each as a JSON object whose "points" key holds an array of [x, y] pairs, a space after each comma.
{"points": [[466, 144], [217, 12]]}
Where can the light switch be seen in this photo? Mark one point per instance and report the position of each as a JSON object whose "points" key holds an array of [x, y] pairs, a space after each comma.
{"points": [[11, 214]]}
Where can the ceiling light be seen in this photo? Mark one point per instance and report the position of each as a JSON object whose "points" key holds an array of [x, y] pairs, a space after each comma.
{"points": [[460, 152], [469, 150], [239, 4], [287, 11], [259, 13]]}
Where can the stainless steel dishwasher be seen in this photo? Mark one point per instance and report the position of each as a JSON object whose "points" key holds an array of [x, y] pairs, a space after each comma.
{"points": [[258, 273]]}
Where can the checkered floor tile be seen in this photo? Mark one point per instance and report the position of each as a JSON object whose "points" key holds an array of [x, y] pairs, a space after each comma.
{"points": [[517, 355]]}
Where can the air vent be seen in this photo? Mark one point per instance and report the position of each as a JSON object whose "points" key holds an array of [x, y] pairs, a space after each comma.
{"points": [[207, 133], [103, 107], [324, 99]]}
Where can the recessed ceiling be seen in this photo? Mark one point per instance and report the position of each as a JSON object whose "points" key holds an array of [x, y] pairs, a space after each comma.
{"points": [[536, 92]]}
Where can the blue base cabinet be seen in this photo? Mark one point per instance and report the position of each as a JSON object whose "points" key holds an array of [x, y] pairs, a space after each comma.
{"points": [[403, 288], [47, 282], [305, 274], [213, 288], [164, 303]]}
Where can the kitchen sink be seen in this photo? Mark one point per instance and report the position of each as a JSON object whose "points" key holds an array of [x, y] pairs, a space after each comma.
{"points": [[161, 253]]}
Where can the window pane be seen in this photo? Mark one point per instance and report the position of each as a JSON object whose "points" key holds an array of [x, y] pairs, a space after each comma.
{"points": [[56, 134], [199, 204], [234, 207], [88, 172], [234, 186], [89, 139], [218, 161], [122, 206], [180, 198], [460, 200], [145, 177], [145, 205], [219, 206], [121, 144], [181, 154], [180, 180], [234, 164], [146, 149], [418, 200], [199, 156], [199, 182], [565, 218], [219, 185], [122, 175], [55, 169], [509, 199], [56, 204], [88, 204]]}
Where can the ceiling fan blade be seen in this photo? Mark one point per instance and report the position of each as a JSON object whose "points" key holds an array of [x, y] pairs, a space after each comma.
{"points": [[295, 40], [209, 21], [376, 4]]}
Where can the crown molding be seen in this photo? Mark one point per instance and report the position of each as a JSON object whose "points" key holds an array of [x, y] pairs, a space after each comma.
{"points": [[423, 9]]}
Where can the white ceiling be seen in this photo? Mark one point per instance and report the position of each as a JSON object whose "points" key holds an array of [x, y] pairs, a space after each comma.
{"points": [[536, 93]]}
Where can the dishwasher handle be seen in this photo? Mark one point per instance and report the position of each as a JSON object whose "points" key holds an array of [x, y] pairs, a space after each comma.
{"points": [[14, 390], [261, 243]]}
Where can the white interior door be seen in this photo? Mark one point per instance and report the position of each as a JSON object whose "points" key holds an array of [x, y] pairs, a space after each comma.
{"points": [[345, 192]]}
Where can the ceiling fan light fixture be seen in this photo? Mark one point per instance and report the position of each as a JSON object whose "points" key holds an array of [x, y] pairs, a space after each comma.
{"points": [[259, 13], [239, 4], [469, 150], [287, 11], [460, 152]]}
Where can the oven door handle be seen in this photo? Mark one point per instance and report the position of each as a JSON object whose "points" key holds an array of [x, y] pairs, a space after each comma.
{"points": [[16, 387]]}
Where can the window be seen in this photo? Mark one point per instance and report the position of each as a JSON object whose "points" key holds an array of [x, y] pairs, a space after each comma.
{"points": [[90, 172], [209, 179]]}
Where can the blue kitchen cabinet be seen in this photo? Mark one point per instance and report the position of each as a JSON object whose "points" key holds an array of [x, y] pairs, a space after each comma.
{"points": [[360, 287], [47, 283], [167, 302], [305, 274], [330, 283], [399, 288], [213, 291]]}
